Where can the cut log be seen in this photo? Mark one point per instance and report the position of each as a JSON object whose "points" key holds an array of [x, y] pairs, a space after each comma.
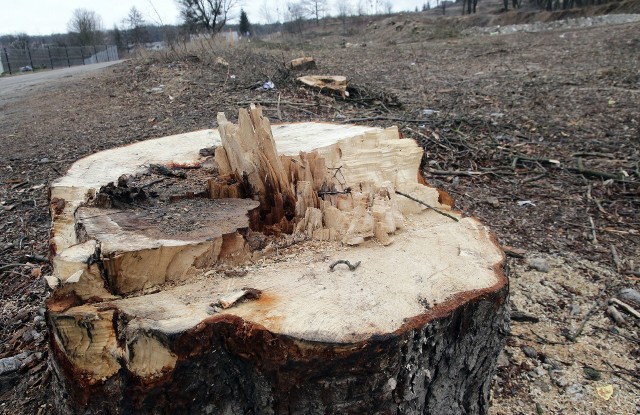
{"points": [[329, 83], [302, 64], [300, 281]]}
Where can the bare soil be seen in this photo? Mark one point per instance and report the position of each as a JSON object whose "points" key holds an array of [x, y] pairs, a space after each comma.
{"points": [[537, 134]]}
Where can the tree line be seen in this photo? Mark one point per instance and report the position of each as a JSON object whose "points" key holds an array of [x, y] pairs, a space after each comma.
{"points": [[85, 26]]}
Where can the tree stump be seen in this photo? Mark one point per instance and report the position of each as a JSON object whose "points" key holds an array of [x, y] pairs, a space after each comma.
{"points": [[302, 64], [295, 270]]}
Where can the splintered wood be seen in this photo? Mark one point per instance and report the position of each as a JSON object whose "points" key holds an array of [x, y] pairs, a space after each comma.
{"points": [[313, 262], [249, 155], [300, 193]]}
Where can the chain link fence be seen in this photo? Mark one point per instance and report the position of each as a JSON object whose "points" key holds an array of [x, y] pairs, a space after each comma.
{"points": [[53, 57]]}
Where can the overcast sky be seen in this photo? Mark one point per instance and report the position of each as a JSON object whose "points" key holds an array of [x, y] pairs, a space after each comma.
{"points": [[43, 17]]}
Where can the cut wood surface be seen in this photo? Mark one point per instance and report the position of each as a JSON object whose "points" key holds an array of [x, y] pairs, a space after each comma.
{"points": [[251, 289], [331, 83], [301, 64]]}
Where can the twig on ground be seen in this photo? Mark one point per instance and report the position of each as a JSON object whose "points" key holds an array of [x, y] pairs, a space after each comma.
{"points": [[278, 112], [544, 340], [427, 205], [580, 169], [615, 332], [4, 267], [626, 307], [578, 333], [533, 179], [384, 118], [599, 206], [587, 154], [618, 374], [593, 231], [616, 258], [616, 316], [540, 161], [455, 173]]}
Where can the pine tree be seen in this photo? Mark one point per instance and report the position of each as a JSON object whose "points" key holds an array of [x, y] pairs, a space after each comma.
{"points": [[245, 26]]}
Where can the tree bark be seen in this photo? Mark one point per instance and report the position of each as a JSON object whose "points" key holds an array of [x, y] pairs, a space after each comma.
{"points": [[311, 285], [441, 366]]}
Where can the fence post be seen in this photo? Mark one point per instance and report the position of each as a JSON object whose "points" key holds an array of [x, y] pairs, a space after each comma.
{"points": [[50, 60], [95, 53], [82, 55], [66, 50], [6, 55], [30, 60]]}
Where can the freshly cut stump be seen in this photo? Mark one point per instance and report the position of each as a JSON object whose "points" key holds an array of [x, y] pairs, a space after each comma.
{"points": [[291, 270]]}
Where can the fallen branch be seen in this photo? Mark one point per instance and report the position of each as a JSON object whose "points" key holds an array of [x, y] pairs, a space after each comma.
{"points": [[626, 307], [616, 258], [615, 315], [521, 157], [616, 332], [619, 373], [427, 205], [593, 230], [37, 258], [600, 155], [456, 173], [9, 266], [428, 138], [282, 102], [383, 118], [533, 179], [578, 333], [580, 169]]}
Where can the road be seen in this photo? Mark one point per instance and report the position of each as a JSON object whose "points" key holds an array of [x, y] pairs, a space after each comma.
{"points": [[16, 87]]}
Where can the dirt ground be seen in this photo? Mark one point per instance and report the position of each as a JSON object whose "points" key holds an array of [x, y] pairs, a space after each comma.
{"points": [[537, 134]]}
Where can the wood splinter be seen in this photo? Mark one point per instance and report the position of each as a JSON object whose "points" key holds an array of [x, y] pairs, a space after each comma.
{"points": [[352, 267], [232, 298]]}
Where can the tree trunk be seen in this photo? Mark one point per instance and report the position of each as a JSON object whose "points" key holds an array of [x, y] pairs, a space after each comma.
{"points": [[323, 285]]}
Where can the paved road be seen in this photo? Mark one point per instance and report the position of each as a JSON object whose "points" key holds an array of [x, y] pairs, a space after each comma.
{"points": [[18, 86]]}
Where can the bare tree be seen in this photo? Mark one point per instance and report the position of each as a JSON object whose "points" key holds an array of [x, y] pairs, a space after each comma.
{"points": [[471, 5], [135, 25], [388, 7], [210, 15], [267, 12], [316, 8], [86, 27], [296, 13], [344, 9], [19, 41]]}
